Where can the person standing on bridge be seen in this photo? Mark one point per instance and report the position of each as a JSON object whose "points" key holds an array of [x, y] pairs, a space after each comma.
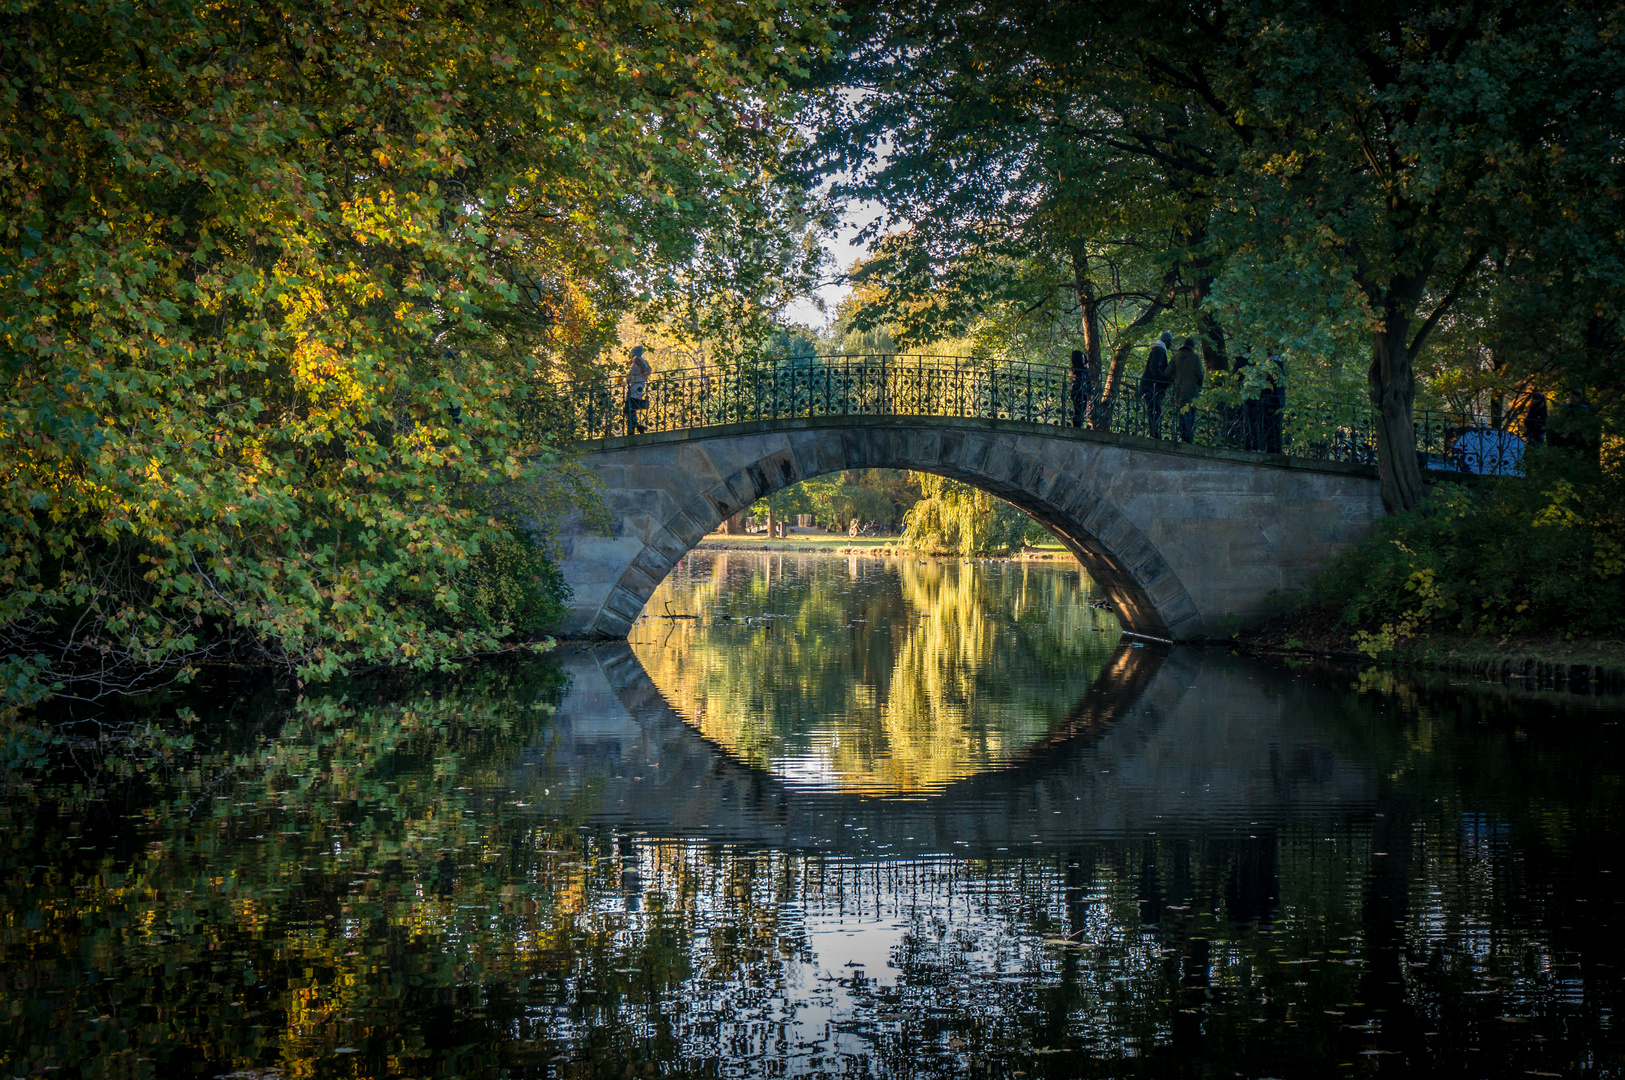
{"points": [[1532, 412], [637, 390], [1187, 380], [1083, 389], [1154, 383]]}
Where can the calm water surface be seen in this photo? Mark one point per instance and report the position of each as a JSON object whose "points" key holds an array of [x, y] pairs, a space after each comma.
{"points": [[856, 817]]}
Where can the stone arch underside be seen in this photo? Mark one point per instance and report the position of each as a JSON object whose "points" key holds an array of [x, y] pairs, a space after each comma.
{"points": [[1142, 519]]}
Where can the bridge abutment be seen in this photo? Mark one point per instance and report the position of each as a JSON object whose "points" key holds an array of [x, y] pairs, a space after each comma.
{"points": [[1187, 542]]}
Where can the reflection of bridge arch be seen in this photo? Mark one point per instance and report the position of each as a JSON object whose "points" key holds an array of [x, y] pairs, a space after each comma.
{"points": [[1136, 752], [1186, 541]]}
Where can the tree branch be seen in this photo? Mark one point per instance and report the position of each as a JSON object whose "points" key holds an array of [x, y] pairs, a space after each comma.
{"points": [[1449, 298]]}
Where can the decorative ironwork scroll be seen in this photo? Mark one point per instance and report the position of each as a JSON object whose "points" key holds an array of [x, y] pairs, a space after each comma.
{"points": [[910, 385]]}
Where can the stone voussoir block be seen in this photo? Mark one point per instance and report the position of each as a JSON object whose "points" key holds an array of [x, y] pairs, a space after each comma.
{"points": [[742, 488], [690, 524], [638, 580]]}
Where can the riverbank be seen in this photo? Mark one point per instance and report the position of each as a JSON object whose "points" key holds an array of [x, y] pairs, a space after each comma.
{"points": [[881, 547], [1582, 664]]}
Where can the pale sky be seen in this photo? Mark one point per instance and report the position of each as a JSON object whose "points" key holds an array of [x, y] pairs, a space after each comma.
{"points": [[843, 250]]}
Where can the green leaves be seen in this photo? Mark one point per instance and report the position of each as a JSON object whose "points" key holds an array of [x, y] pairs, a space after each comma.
{"points": [[1323, 180], [1512, 556], [957, 519], [266, 356]]}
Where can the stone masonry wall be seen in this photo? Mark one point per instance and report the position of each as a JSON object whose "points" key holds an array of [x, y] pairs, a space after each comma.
{"points": [[1189, 543]]}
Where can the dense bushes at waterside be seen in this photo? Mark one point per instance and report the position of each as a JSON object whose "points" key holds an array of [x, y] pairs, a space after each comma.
{"points": [[1538, 554]]}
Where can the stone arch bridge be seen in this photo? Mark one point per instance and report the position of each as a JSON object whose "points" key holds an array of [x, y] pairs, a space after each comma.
{"points": [[1189, 541]]}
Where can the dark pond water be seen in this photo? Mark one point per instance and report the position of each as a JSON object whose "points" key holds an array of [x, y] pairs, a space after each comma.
{"points": [[857, 818]]}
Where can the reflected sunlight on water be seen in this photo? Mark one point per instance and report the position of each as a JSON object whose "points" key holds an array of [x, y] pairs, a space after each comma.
{"points": [[872, 676]]}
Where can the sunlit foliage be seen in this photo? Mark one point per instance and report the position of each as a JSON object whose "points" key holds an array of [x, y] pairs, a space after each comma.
{"points": [[1540, 554], [956, 519], [853, 495], [275, 281], [1271, 175]]}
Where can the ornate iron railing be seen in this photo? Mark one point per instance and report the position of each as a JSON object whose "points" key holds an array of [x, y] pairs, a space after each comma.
{"points": [[904, 385]]}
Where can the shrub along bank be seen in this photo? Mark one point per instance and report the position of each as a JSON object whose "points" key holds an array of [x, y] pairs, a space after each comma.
{"points": [[281, 286], [1504, 573]]}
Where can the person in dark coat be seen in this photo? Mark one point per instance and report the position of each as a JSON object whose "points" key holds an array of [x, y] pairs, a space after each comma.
{"points": [[1577, 429], [1245, 425], [1083, 388], [1187, 385], [1533, 413], [1271, 403], [1154, 383]]}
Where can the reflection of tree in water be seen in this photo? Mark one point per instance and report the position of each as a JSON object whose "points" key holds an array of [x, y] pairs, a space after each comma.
{"points": [[268, 902], [986, 668], [874, 676], [365, 894]]}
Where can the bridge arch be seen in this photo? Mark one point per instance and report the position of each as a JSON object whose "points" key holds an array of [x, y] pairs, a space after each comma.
{"points": [[1186, 542]]}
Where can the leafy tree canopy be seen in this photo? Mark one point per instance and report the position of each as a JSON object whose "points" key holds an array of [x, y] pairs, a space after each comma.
{"points": [[1282, 167], [277, 279]]}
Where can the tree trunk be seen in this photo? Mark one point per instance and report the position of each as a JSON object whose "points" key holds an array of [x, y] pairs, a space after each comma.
{"points": [[1214, 356], [1090, 312], [1393, 393], [1114, 377]]}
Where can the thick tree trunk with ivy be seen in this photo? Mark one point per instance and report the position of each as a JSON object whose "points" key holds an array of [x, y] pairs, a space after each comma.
{"points": [[1393, 394]]}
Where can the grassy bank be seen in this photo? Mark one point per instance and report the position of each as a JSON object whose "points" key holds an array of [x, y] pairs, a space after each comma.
{"points": [[1531, 660]]}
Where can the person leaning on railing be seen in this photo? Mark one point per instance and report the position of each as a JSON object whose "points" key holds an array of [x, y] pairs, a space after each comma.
{"points": [[1260, 413], [1577, 429], [1532, 412], [1082, 389], [1271, 402]]}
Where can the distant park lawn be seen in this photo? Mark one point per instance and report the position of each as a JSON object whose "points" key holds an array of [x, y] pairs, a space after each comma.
{"points": [[819, 540]]}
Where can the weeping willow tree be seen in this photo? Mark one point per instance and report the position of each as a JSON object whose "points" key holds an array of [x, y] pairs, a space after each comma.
{"points": [[957, 519]]}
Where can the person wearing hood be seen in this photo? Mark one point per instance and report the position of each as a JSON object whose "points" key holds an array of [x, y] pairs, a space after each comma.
{"points": [[1187, 384], [1154, 382]]}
